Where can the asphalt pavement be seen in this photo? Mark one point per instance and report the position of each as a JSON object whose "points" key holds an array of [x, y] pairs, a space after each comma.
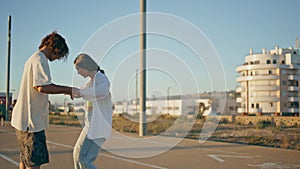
{"points": [[132, 152]]}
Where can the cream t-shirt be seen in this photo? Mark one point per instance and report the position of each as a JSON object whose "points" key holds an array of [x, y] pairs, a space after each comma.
{"points": [[32, 108]]}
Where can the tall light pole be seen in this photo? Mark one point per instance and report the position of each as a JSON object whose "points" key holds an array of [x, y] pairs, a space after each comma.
{"points": [[8, 68], [136, 90], [168, 93], [142, 119], [65, 106]]}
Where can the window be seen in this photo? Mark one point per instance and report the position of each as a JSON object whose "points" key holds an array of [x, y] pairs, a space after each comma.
{"points": [[274, 61], [176, 108], [256, 62], [283, 72], [252, 105], [283, 82], [283, 93], [284, 104], [268, 62], [257, 105], [282, 62], [293, 83], [271, 104], [294, 105], [270, 72]]}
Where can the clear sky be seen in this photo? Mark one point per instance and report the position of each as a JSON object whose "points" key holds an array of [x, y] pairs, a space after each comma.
{"points": [[232, 27]]}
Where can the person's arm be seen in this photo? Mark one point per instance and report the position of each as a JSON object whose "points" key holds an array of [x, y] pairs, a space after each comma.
{"points": [[54, 89], [99, 89]]}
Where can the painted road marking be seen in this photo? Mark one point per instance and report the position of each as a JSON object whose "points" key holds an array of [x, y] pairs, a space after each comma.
{"points": [[114, 157], [4, 131], [217, 157], [135, 162], [4, 156], [71, 147], [9, 159]]}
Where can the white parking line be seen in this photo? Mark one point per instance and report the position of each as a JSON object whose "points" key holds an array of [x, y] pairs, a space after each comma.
{"points": [[135, 162], [71, 147], [9, 159], [114, 157], [4, 131], [4, 156]]}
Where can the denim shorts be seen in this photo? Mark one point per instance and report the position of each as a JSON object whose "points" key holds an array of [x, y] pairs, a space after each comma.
{"points": [[33, 148]]}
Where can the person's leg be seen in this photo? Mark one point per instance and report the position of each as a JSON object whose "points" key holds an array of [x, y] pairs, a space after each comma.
{"points": [[22, 166], [76, 150], [35, 167], [89, 152], [21, 137], [33, 149]]}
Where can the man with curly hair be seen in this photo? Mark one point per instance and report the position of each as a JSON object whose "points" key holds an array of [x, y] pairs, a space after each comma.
{"points": [[30, 114]]}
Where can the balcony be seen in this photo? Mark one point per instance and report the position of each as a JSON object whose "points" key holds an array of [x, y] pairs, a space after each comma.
{"points": [[264, 88], [293, 88], [241, 110], [256, 67], [293, 110], [264, 66], [257, 77], [294, 77], [264, 99], [255, 110], [293, 99], [239, 89], [240, 99]]}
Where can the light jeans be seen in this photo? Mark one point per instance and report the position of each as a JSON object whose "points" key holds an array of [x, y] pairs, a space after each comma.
{"points": [[86, 151]]}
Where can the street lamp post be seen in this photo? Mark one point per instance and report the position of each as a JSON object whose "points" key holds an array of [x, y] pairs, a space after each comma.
{"points": [[142, 118], [8, 68], [136, 90], [168, 93]]}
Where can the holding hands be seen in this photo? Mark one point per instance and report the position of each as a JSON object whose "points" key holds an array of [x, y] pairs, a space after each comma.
{"points": [[75, 93]]}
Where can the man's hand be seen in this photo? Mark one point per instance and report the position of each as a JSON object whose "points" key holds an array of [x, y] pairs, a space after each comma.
{"points": [[75, 93]]}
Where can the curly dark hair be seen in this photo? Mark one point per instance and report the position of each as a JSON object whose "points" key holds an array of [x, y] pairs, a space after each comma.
{"points": [[57, 44]]}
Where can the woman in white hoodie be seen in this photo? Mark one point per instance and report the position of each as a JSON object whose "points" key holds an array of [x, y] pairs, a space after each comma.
{"points": [[98, 120]]}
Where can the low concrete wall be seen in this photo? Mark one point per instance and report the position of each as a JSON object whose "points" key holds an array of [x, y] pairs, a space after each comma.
{"points": [[277, 120]]}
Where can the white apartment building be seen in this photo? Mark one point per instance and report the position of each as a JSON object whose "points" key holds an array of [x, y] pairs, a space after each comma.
{"points": [[174, 107], [206, 103], [269, 82]]}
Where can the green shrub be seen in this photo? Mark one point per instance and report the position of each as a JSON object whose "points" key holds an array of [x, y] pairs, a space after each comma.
{"points": [[261, 124]]}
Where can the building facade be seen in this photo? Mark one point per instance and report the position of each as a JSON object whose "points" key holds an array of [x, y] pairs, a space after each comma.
{"points": [[176, 107], [219, 103], [269, 82]]}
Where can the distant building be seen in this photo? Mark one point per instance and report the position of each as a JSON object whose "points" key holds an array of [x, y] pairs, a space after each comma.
{"points": [[3, 112], [3, 97], [269, 82], [175, 107], [218, 103]]}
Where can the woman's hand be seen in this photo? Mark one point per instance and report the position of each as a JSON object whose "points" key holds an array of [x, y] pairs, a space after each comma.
{"points": [[75, 93]]}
